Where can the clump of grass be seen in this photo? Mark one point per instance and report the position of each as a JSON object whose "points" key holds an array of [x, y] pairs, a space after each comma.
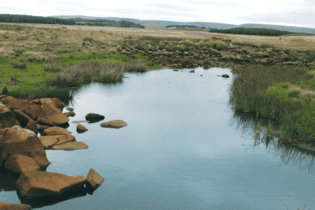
{"points": [[136, 66], [83, 73], [215, 45]]}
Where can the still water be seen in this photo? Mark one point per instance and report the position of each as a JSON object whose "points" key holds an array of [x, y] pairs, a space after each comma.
{"points": [[180, 149]]}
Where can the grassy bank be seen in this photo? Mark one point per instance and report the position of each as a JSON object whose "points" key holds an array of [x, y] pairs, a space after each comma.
{"points": [[284, 93], [54, 76]]}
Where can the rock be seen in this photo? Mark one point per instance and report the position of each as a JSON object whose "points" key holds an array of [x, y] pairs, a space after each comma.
{"points": [[114, 124], [70, 146], [94, 180], [52, 140], [79, 121], [70, 109], [81, 128], [18, 163], [94, 117], [34, 184], [192, 71], [16, 140], [14, 206], [7, 117], [50, 115], [72, 114], [55, 130]]}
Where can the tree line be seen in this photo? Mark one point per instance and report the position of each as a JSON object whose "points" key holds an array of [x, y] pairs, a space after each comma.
{"points": [[8, 18]]}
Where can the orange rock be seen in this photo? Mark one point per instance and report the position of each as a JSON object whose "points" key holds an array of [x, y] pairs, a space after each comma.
{"points": [[114, 124], [34, 184]]}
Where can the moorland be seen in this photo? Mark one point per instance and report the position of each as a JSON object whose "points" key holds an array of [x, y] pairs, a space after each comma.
{"points": [[275, 74]]}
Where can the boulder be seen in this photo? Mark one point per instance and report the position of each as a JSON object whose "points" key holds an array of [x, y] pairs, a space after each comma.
{"points": [[51, 115], [7, 117], [18, 163], [34, 184], [16, 140]]}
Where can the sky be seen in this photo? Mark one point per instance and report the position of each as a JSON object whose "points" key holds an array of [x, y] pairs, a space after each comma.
{"points": [[299, 13]]}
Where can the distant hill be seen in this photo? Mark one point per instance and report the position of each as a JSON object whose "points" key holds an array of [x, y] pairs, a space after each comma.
{"points": [[162, 23]]}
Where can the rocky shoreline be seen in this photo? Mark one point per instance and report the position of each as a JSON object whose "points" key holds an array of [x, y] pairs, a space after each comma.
{"points": [[23, 152]]}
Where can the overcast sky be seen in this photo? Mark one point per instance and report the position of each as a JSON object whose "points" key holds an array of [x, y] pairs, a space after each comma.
{"points": [[278, 12]]}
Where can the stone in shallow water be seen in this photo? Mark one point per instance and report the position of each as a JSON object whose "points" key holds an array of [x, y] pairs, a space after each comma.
{"points": [[94, 180], [114, 124], [79, 121], [70, 146], [94, 117], [34, 184]]}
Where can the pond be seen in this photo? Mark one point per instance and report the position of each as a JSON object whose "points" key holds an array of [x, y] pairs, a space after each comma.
{"points": [[180, 149]]}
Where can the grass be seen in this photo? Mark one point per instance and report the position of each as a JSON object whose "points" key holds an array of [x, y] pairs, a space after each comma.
{"points": [[70, 70], [51, 70], [285, 93]]}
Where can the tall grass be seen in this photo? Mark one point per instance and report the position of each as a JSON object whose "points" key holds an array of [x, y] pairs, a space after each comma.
{"points": [[281, 92]]}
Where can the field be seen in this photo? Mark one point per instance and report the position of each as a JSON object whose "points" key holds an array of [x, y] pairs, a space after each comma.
{"points": [[112, 35], [47, 60]]}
